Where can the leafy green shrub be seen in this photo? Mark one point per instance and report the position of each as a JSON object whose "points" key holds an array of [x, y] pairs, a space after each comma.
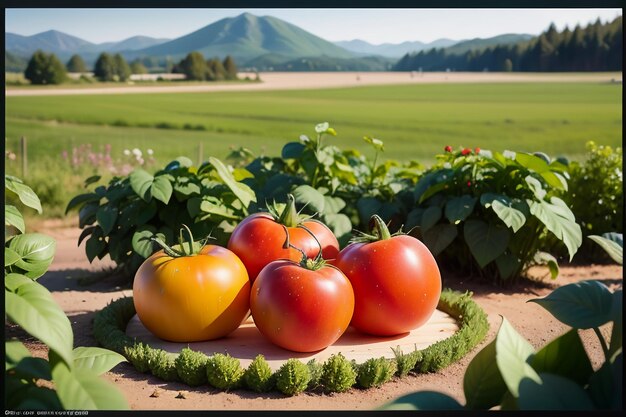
{"points": [[375, 371], [224, 371], [191, 367], [140, 356], [596, 195], [121, 218], [315, 369], [509, 373], [293, 377], [489, 214], [163, 365], [338, 374], [405, 362], [258, 375], [31, 306]]}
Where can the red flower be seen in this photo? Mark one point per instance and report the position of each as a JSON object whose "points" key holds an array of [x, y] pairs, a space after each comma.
{"points": [[469, 183], [477, 150], [466, 151], [448, 148]]}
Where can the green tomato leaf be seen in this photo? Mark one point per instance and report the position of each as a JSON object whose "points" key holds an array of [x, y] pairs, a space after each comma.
{"points": [[13, 217], [340, 224], [82, 390], [564, 356], [555, 180], [95, 245], [35, 251], [483, 384], [140, 182], [15, 351], [241, 190], [423, 400], [512, 217], [458, 208], [333, 204], [95, 359], [367, 207], [536, 187], [10, 257], [438, 237], [13, 281], [161, 189], [581, 305], [532, 162], [106, 217], [430, 217], [612, 248], [33, 308], [513, 354], [552, 392], [142, 245], [87, 214], [559, 223], [81, 199], [313, 199], [485, 240], [23, 191], [507, 265], [544, 258], [292, 150]]}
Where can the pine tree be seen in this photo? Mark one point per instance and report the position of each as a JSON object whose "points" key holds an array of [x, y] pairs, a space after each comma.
{"points": [[230, 68]]}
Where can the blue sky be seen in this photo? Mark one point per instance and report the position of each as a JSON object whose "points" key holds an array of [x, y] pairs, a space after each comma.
{"points": [[373, 25]]}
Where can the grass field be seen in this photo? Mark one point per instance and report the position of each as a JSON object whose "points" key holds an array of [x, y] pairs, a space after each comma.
{"points": [[414, 121]]}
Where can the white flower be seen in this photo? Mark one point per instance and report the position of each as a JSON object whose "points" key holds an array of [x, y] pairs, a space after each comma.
{"points": [[126, 152], [150, 151], [137, 152]]}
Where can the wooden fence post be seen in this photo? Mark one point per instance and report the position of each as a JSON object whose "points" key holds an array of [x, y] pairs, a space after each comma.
{"points": [[24, 157]]}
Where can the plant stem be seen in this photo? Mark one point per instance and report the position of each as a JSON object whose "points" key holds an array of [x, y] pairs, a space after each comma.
{"points": [[289, 216], [380, 228], [605, 349]]}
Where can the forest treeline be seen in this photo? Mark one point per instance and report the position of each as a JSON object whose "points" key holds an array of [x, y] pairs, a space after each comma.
{"points": [[596, 47]]}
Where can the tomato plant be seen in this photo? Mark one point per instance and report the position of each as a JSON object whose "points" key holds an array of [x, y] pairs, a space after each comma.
{"points": [[396, 281], [264, 237], [303, 306], [190, 293]]}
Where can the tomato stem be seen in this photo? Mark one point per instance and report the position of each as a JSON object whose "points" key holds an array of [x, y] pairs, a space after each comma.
{"points": [[380, 228], [380, 231], [190, 250], [319, 253], [289, 217]]}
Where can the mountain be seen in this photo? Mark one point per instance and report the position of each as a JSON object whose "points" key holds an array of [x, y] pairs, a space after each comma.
{"points": [[483, 43], [131, 44], [392, 50], [245, 37]]}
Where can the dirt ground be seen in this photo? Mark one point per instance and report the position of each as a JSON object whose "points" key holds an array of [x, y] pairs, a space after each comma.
{"points": [[314, 80], [70, 268]]}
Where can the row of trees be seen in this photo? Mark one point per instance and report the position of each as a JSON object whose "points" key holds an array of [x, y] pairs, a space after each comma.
{"points": [[195, 67], [46, 68], [597, 47]]}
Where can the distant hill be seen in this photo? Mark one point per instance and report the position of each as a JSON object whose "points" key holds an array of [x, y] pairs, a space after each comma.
{"points": [[392, 50], [479, 44], [275, 62], [245, 37], [14, 63]]}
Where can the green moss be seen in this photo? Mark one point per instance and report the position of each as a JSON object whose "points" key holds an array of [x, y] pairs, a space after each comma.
{"points": [[375, 372], [223, 371], [191, 367], [258, 375], [139, 355], [405, 362], [293, 377], [315, 369], [163, 365], [338, 374]]}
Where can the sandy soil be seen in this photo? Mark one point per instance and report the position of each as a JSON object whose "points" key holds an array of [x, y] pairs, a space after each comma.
{"points": [[312, 80], [80, 301]]}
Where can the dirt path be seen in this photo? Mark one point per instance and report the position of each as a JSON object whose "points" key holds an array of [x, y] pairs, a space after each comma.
{"points": [[80, 302], [313, 80]]}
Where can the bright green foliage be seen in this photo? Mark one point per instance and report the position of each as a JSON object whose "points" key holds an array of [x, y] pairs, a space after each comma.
{"points": [[163, 365], [140, 356], [375, 371], [498, 207], [224, 371], [405, 362], [74, 373], [105, 68], [194, 66], [45, 69], [293, 377], [258, 375], [191, 367], [315, 369], [122, 70], [131, 210], [76, 64], [509, 373], [338, 374]]}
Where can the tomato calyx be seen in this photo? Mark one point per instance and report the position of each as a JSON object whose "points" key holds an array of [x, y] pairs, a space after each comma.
{"points": [[379, 231], [287, 215], [186, 248]]}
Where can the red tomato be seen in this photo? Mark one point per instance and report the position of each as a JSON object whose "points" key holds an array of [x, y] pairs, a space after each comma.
{"points": [[301, 309], [396, 282], [192, 298], [259, 239]]}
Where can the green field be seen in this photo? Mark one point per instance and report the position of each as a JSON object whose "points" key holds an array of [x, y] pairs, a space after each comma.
{"points": [[414, 121]]}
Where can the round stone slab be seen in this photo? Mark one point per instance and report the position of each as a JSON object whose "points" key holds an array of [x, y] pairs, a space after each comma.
{"points": [[247, 342]]}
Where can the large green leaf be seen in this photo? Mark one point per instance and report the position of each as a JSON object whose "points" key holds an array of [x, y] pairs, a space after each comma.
{"points": [[512, 217], [19, 360], [513, 354], [532, 162], [36, 253], [33, 308], [95, 359], [95, 246], [13, 281], [23, 191], [313, 199], [244, 193], [141, 241], [536, 187], [216, 209], [161, 189], [81, 199], [438, 238], [423, 400], [14, 351], [106, 217], [292, 150], [564, 356], [83, 390], [581, 305], [544, 258], [555, 180], [430, 217], [458, 208], [612, 248], [507, 265], [333, 204], [140, 182], [483, 384], [13, 217], [485, 240], [616, 315], [552, 392], [339, 223], [367, 207], [559, 223]]}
